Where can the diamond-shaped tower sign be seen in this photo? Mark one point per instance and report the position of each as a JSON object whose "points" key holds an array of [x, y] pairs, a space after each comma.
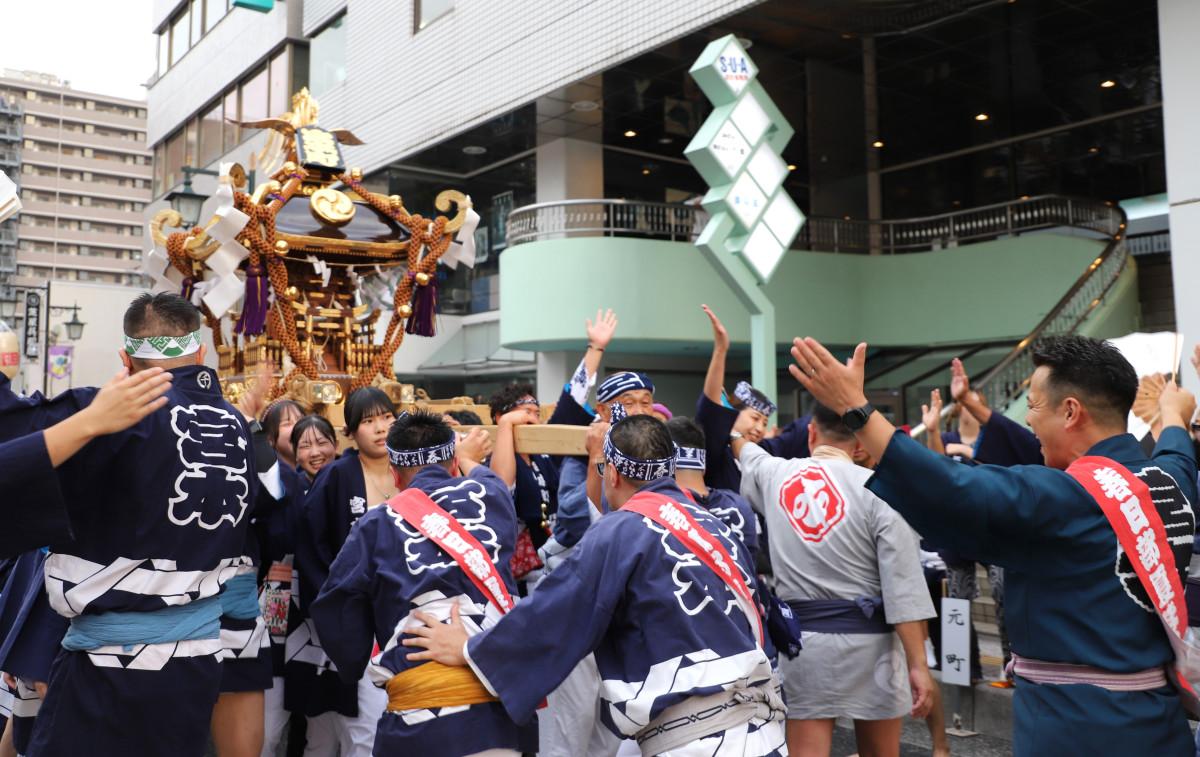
{"points": [[753, 220], [737, 152]]}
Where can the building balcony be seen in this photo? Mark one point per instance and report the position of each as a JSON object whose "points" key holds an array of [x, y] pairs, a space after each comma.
{"points": [[51, 109], [89, 188], [82, 212], [95, 165], [78, 237], [98, 141], [639, 258], [80, 262]]}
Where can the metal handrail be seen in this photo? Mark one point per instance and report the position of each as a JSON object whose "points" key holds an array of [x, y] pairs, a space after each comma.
{"points": [[555, 220], [1005, 381], [683, 222]]}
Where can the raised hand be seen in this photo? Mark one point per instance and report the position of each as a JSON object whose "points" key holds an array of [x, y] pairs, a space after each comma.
{"points": [[600, 332], [720, 334], [252, 402], [1176, 405], [125, 400], [474, 446], [835, 385], [960, 383], [931, 414], [595, 440]]}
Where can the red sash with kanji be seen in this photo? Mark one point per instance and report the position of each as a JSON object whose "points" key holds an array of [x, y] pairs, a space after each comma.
{"points": [[441, 528], [679, 523], [1126, 502]]}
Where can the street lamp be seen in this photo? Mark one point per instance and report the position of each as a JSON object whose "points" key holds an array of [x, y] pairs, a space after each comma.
{"points": [[187, 202], [75, 326]]}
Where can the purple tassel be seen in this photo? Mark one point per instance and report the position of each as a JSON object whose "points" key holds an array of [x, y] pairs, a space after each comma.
{"points": [[256, 305], [424, 310], [188, 287]]}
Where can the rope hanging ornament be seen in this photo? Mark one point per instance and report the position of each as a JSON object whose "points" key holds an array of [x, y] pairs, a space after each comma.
{"points": [[421, 272]]}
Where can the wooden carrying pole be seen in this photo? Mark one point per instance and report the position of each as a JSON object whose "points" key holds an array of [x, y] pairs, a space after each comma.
{"points": [[544, 440]]}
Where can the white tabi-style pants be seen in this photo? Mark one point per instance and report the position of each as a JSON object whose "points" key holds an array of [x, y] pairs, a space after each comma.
{"points": [[357, 735], [570, 723]]}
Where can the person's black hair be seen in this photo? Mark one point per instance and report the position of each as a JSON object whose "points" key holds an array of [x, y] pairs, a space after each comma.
{"points": [[273, 418], [320, 423], [686, 432], [830, 424], [506, 399], [419, 430], [465, 417], [1094, 371], [364, 403], [643, 437], [757, 395], [160, 314]]}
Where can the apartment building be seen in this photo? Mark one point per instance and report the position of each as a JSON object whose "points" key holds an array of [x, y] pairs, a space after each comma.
{"points": [[10, 163], [85, 177]]}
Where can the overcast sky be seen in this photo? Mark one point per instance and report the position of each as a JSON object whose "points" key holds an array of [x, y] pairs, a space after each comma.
{"points": [[102, 46]]}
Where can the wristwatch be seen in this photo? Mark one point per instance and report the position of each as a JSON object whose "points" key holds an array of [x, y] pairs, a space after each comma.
{"points": [[735, 435], [856, 417]]}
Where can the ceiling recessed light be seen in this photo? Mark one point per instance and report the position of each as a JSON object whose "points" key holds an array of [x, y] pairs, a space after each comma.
{"points": [[474, 150], [1093, 149], [1024, 197], [585, 106], [981, 116], [846, 218], [630, 133], [645, 172], [791, 166], [665, 140], [1107, 84], [877, 143]]}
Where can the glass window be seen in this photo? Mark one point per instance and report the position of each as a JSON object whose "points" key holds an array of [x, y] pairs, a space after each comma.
{"points": [[179, 37], [327, 57], [281, 94], [427, 11], [164, 50], [210, 135], [174, 160], [254, 96], [214, 11], [232, 131], [197, 20], [191, 135]]}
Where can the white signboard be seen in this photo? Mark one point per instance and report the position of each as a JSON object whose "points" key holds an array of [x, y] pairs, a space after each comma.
{"points": [[956, 641], [730, 148]]}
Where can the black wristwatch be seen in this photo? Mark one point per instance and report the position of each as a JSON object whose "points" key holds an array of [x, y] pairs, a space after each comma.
{"points": [[856, 417]]}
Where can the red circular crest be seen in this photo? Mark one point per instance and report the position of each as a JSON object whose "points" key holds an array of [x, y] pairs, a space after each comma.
{"points": [[812, 503]]}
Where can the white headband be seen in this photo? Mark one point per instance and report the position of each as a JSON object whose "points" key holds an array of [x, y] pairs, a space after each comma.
{"points": [[162, 347]]}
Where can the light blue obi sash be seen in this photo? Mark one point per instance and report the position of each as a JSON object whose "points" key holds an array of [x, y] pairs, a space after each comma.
{"points": [[200, 619]]}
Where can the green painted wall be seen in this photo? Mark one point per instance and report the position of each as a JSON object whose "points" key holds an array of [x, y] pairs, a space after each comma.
{"points": [[992, 290]]}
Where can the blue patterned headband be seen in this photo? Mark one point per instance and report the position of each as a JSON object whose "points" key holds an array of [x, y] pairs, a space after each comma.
{"points": [[523, 401], [619, 383], [689, 458], [416, 458], [635, 469], [744, 392]]}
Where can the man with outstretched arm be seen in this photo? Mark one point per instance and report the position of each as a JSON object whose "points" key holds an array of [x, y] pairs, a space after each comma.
{"points": [[1090, 636], [661, 591]]}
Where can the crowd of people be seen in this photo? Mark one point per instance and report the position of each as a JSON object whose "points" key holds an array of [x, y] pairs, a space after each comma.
{"points": [[178, 570]]}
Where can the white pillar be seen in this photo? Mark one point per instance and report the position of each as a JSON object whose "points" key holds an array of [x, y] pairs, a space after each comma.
{"points": [[570, 169], [553, 370], [1179, 57]]}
